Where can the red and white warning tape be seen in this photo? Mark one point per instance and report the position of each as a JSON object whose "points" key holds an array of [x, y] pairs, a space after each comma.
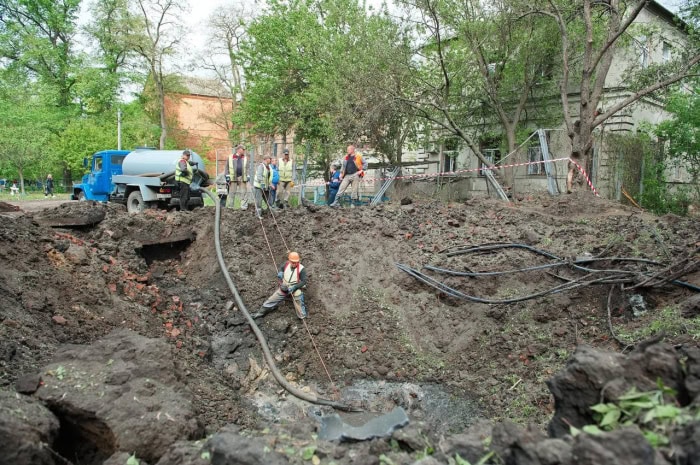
{"points": [[585, 176], [472, 170]]}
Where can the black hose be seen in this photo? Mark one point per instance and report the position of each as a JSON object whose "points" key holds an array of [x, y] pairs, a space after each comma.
{"points": [[442, 287], [545, 266], [309, 397], [575, 263]]}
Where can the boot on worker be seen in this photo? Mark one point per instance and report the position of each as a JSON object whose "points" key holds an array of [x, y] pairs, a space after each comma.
{"points": [[292, 279]]}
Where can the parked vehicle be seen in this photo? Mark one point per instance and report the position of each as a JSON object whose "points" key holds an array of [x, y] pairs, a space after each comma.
{"points": [[139, 179]]}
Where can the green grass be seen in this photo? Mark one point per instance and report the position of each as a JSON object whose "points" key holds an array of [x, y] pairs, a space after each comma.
{"points": [[6, 197], [668, 320]]}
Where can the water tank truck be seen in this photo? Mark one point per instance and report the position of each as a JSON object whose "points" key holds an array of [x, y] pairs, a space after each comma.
{"points": [[140, 179]]}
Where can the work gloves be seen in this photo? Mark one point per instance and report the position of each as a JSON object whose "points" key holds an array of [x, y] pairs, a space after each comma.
{"points": [[280, 275], [293, 289]]}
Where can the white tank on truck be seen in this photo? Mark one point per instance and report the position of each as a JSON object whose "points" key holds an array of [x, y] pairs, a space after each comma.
{"points": [[155, 162], [148, 180]]}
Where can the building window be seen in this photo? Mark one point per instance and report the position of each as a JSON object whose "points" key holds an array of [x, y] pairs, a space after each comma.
{"points": [[449, 154], [449, 160], [666, 52], [677, 173], [643, 45], [492, 155], [534, 155]]}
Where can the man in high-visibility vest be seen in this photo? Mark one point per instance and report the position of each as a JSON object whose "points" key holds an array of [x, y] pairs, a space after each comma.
{"points": [[261, 184], [285, 166], [292, 279], [183, 177], [236, 172]]}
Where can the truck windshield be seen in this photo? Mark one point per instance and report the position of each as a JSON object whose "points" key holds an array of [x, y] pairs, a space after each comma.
{"points": [[117, 160]]}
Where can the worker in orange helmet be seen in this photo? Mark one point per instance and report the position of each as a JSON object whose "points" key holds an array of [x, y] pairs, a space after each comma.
{"points": [[292, 279]]}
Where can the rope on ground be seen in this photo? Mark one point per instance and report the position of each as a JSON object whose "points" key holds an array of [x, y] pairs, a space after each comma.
{"points": [[333, 386], [274, 219], [677, 269], [269, 247], [309, 397]]}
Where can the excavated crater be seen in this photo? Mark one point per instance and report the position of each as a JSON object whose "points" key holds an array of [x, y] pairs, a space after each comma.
{"points": [[377, 337]]}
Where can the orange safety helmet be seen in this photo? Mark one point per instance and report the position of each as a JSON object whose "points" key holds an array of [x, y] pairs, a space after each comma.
{"points": [[293, 257]]}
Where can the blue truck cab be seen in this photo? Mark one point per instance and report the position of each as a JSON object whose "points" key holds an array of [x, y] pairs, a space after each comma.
{"points": [[97, 184]]}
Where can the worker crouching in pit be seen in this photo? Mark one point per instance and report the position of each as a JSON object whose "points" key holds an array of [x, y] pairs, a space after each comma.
{"points": [[292, 279]]}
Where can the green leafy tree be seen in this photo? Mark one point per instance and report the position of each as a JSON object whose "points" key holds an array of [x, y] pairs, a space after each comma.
{"points": [[24, 140], [83, 137], [480, 69], [38, 36], [683, 133], [314, 67], [593, 34], [110, 28]]}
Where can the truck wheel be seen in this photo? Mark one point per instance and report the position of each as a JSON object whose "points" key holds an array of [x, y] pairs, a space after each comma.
{"points": [[81, 196], [135, 203]]}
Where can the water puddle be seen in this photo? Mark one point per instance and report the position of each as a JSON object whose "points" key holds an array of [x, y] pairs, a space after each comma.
{"points": [[431, 404]]}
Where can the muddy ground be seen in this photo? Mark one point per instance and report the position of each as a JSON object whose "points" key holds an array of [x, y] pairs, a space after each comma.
{"points": [[386, 338]]}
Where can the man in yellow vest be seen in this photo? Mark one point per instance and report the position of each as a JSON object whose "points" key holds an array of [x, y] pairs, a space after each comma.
{"points": [[183, 178], [261, 184], [292, 279], [236, 172], [285, 166]]}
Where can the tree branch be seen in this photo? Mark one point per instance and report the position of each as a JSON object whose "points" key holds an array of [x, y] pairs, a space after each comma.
{"points": [[646, 91]]}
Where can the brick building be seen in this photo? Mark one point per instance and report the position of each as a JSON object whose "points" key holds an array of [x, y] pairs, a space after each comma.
{"points": [[201, 119]]}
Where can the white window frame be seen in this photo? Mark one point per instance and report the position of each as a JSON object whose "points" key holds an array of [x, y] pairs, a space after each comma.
{"points": [[450, 161], [491, 155], [534, 154], [666, 52]]}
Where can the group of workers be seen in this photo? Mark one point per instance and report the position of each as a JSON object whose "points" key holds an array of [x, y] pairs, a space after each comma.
{"points": [[272, 183], [273, 179]]}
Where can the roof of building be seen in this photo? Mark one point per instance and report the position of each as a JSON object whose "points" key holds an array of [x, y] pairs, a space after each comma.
{"points": [[206, 87]]}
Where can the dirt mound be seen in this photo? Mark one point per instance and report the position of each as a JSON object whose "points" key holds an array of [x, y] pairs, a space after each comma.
{"points": [[386, 338], [6, 207]]}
